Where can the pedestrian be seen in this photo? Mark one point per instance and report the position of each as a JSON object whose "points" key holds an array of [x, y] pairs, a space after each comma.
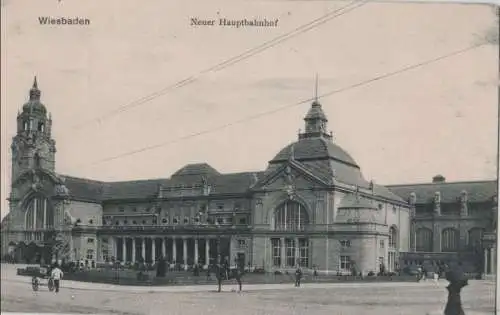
{"points": [[238, 274], [298, 276], [57, 275]]}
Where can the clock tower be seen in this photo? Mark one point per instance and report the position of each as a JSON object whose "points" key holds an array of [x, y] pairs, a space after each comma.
{"points": [[33, 147]]}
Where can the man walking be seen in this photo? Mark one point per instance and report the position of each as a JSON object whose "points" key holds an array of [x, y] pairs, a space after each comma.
{"points": [[298, 276], [56, 275]]}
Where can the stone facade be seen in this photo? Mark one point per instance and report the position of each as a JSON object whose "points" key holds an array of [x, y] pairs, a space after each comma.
{"points": [[311, 207]]}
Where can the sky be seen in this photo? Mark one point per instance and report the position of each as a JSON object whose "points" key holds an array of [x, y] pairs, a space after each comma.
{"points": [[438, 118]]}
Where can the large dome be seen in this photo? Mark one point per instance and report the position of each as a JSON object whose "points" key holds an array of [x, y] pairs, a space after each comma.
{"points": [[315, 149]]}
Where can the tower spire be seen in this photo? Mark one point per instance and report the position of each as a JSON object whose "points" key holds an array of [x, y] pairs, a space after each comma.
{"points": [[34, 91], [316, 89]]}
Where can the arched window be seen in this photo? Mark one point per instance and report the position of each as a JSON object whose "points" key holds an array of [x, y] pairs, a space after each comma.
{"points": [[290, 216], [474, 239], [37, 160], [449, 240], [424, 240], [393, 237], [39, 214], [41, 126]]}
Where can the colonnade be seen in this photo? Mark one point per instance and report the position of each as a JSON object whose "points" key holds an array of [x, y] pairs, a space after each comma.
{"points": [[490, 260], [158, 248]]}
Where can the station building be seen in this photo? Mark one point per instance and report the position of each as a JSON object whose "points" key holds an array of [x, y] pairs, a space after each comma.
{"points": [[311, 207]]}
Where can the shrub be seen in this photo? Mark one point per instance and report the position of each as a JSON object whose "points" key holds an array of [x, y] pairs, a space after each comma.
{"points": [[371, 274]]}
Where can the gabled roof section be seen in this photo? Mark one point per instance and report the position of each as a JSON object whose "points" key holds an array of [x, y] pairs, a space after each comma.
{"points": [[477, 191], [84, 189]]}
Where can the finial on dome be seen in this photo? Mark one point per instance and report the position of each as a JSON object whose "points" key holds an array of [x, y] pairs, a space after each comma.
{"points": [[316, 90], [34, 91]]}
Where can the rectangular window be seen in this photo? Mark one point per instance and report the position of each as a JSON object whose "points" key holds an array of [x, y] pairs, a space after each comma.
{"points": [[382, 244], [243, 221], [345, 243], [242, 243], [90, 254], [345, 263], [105, 255], [90, 240], [276, 248], [220, 206], [304, 252], [290, 252], [121, 209]]}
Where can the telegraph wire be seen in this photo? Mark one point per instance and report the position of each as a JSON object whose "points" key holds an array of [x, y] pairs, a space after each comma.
{"points": [[262, 114], [231, 61]]}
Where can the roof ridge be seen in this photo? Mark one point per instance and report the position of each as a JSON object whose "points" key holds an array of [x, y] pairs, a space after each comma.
{"points": [[445, 183]]}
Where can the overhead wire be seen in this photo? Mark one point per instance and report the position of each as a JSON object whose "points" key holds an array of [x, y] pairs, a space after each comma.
{"points": [[230, 62], [275, 110]]}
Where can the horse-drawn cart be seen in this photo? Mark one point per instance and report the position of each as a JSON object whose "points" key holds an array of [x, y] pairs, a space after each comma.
{"points": [[42, 278]]}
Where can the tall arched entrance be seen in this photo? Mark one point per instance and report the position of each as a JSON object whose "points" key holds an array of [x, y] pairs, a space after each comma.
{"points": [[291, 249], [39, 230]]}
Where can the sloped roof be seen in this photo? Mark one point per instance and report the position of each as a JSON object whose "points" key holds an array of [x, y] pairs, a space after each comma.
{"points": [[85, 189], [196, 169], [314, 148], [478, 191]]}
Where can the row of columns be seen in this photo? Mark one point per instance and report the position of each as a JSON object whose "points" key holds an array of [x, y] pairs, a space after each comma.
{"points": [[490, 260], [163, 249]]}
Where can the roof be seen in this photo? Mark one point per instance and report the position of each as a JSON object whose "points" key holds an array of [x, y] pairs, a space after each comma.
{"points": [[315, 112], [196, 169], [85, 189], [477, 191], [315, 148]]}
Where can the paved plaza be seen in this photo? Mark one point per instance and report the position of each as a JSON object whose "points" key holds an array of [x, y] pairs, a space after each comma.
{"points": [[340, 298]]}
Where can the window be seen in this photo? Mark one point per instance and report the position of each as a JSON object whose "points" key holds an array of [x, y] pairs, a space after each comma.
{"points": [[134, 222], [175, 220], [345, 243], [105, 241], [303, 252], [155, 221], [164, 221], [25, 125], [449, 240], [134, 209], [382, 244], [90, 254], [230, 220], [243, 221], [196, 220], [41, 127], [237, 206], [90, 240], [186, 220], [275, 243], [393, 235], [37, 160], [345, 263], [39, 214], [475, 236], [144, 222], [424, 240], [220, 206], [121, 209], [242, 243], [105, 255], [290, 252], [117, 223], [380, 206], [394, 209], [220, 221], [91, 221], [290, 216]]}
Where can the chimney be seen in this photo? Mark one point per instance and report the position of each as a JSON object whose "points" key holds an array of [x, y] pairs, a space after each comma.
{"points": [[438, 179]]}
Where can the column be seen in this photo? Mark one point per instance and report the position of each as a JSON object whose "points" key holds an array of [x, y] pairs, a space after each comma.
{"points": [[35, 209], [207, 251], [297, 252], [492, 260], [115, 248], [133, 250], [196, 251], [184, 252], [174, 250], [45, 213], [283, 252], [485, 261], [124, 249], [164, 247], [153, 250], [143, 248]]}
